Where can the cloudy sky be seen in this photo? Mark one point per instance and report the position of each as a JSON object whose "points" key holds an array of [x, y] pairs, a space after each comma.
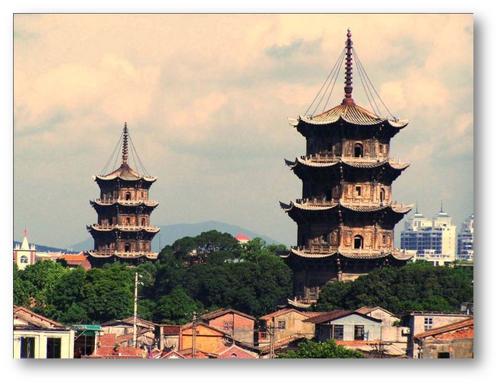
{"points": [[207, 98]]}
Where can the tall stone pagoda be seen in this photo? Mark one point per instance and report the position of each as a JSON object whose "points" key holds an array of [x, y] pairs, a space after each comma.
{"points": [[346, 215], [123, 230]]}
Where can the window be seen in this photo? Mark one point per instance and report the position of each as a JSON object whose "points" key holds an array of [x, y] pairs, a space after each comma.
{"points": [[281, 325], [143, 221], [27, 347], [338, 332], [127, 196], [358, 191], [381, 148], [358, 150], [358, 242], [127, 247], [443, 355], [428, 321], [228, 325], [384, 239], [53, 348], [24, 259], [382, 195], [359, 332]]}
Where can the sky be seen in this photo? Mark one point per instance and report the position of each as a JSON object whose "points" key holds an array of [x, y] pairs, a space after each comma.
{"points": [[207, 100]]}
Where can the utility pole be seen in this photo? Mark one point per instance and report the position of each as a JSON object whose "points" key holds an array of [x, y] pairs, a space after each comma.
{"points": [[193, 342], [135, 308], [271, 337]]}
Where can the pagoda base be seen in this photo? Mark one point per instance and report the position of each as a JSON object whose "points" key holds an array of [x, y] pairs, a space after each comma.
{"points": [[312, 274]]}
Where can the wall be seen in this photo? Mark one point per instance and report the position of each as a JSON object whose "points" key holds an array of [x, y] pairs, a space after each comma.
{"points": [[372, 328], [67, 342], [239, 327]]}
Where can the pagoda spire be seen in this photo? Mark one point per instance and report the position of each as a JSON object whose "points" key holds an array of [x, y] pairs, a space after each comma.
{"points": [[125, 145], [348, 70]]}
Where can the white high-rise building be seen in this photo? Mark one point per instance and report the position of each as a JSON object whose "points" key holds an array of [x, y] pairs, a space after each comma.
{"points": [[433, 240], [465, 243]]}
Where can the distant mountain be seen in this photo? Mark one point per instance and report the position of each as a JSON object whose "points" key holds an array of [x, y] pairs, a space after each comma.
{"points": [[43, 248], [170, 233]]}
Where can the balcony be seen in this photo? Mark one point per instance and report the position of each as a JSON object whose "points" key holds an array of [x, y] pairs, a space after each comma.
{"points": [[111, 227], [127, 202]]}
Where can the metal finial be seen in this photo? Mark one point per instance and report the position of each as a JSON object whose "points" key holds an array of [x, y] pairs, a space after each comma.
{"points": [[348, 70], [125, 144], [441, 206]]}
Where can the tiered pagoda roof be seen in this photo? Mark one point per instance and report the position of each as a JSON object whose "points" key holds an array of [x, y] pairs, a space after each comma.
{"points": [[331, 252]]}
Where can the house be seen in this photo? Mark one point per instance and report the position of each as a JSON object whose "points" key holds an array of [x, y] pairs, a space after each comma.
{"points": [[238, 325], [455, 340], [108, 347], [75, 260], [124, 331], [171, 355], [206, 339], [346, 325], [36, 336], [168, 336], [393, 336], [237, 352], [284, 324], [420, 322]]}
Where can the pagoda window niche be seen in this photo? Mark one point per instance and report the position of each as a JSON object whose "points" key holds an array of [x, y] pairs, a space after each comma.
{"points": [[358, 150], [127, 247], [127, 196], [358, 242], [358, 191], [382, 195]]}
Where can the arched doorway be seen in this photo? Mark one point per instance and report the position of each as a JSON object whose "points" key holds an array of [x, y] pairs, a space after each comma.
{"points": [[358, 150], [358, 242]]}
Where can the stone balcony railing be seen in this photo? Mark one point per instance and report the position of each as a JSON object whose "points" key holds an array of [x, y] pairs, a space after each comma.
{"points": [[127, 202], [124, 254], [125, 227], [330, 157]]}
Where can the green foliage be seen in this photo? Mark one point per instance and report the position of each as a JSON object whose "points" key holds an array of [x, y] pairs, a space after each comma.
{"points": [[176, 307], [108, 292], [250, 278], [328, 349], [416, 286]]}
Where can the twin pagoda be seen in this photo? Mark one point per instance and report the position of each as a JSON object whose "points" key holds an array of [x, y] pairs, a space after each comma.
{"points": [[346, 215], [123, 230]]}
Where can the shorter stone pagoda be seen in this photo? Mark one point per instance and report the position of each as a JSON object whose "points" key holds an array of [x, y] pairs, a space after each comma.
{"points": [[123, 230]]}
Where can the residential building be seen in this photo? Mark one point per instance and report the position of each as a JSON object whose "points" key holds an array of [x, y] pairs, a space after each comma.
{"points": [[285, 324], [346, 216], [242, 238], [238, 325], [123, 330], [420, 322], [465, 241], [108, 347], [394, 338], [351, 329], [206, 339], [454, 340], [39, 337], [432, 240]]}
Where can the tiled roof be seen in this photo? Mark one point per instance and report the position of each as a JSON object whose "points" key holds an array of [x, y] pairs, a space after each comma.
{"points": [[35, 319], [287, 310], [353, 162], [455, 326], [352, 254], [125, 172], [329, 316], [221, 312], [351, 113], [173, 330]]}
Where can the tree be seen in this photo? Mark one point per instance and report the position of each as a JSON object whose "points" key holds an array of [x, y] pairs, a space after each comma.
{"points": [[176, 307], [415, 286], [108, 292], [328, 349]]}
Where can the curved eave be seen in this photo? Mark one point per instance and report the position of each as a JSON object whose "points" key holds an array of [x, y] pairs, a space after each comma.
{"points": [[94, 254], [150, 179], [362, 164], [399, 124], [151, 230], [144, 203], [397, 209], [394, 254]]}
